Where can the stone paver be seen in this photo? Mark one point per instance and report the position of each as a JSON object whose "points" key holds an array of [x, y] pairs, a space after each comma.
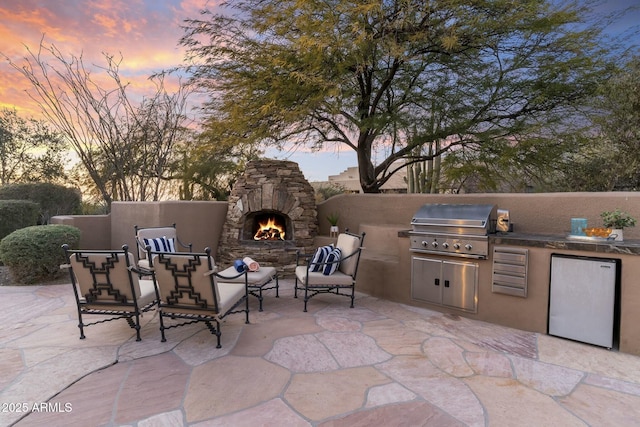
{"points": [[380, 363]]}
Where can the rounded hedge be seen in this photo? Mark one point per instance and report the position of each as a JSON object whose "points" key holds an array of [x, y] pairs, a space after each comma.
{"points": [[53, 199], [34, 254], [16, 214]]}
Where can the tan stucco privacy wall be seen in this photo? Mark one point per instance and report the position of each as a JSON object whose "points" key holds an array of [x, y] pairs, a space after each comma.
{"points": [[385, 269], [547, 213], [197, 222]]}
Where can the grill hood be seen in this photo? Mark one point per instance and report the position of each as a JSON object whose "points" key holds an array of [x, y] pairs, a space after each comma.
{"points": [[471, 219]]}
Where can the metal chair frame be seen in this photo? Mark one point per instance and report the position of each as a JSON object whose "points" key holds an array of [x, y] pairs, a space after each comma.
{"points": [[199, 309], [312, 290], [104, 298]]}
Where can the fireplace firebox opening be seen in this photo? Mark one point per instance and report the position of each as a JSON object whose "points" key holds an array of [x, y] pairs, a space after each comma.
{"points": [[267, 225]]}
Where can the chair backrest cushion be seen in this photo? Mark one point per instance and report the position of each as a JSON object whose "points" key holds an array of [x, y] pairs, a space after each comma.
{"points": [[348, 245], [105, 277], [185, 280], [153, 233]]}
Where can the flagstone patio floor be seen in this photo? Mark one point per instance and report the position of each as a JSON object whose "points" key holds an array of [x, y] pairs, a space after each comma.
{"points": [[378, 364]]}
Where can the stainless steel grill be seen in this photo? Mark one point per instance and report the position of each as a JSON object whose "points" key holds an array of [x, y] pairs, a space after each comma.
{"points": [[453, 229]]}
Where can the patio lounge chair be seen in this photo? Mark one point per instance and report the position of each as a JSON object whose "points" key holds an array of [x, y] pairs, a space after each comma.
{"points": [[161, 239], [106, 283], [189, 290], [329, 270]]}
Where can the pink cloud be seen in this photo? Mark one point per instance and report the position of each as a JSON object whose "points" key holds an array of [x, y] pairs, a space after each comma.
{"points": [[144, 32]]}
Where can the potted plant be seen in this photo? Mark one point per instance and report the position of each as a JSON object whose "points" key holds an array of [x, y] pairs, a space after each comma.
{"points": [[617, 220], [333, 220]]}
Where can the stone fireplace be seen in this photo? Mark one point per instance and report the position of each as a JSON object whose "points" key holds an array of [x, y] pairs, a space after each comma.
{"points": [[272, 214]]}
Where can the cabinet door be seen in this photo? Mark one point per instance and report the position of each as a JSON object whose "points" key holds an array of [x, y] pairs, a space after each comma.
{"points": [[425, 280], [460, 284]]}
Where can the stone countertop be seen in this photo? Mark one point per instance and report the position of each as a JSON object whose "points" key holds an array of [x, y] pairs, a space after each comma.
{"points": [[554, 241], [626, 247]]}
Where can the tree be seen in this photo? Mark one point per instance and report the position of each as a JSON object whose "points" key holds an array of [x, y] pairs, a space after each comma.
{"points": [[607, 151], [126, 148], [388, 77], [29, 150]]}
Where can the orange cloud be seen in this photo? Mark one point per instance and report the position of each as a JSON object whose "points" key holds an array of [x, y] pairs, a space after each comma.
{"points": [[144, 32]]}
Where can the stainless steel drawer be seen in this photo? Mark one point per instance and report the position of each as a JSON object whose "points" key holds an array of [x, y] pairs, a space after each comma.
{"points": [[510, 271]]}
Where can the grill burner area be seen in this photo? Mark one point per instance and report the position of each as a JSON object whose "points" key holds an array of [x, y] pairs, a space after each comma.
{"points": [[455, 230]]}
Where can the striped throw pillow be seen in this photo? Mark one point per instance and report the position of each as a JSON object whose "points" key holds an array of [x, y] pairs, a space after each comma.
{"points": [[319, 256], [332, 262], [161, 244]]}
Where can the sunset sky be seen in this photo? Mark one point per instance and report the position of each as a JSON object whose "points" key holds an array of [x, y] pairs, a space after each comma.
{"points": [[146, 34]]}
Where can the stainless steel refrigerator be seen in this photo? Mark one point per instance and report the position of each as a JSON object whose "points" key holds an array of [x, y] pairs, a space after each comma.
{"points": [[584, 299]]}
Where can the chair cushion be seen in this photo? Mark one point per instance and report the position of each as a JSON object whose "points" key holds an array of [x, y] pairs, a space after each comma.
{"points": [[332, 262], [256, 278], [161, 244], [229, 294], [147, 292], [348, 245], [319, 257], [317, 279]]}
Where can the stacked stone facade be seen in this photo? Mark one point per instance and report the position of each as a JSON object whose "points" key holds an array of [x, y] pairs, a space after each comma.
{"points": [[270, 186]]}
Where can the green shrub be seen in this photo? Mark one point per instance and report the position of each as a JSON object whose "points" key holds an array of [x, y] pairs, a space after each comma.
{"points": [[34, 253], [53, 199], [16, 214]]}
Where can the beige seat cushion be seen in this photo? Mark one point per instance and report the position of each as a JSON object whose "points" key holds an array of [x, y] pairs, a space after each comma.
{"points": [[255, 278], [147, 292], [318, 279], [229, 294]]}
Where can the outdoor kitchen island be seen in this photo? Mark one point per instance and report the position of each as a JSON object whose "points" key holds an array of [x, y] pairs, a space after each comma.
{"points": [[530, 312]]}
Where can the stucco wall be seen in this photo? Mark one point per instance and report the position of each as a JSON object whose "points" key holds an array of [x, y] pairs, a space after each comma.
{"points": [[546, 213], [95, 229], [198, 222]]}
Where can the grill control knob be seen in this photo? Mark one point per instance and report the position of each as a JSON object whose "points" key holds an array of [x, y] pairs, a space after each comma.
{"points": [[456, 246], [434, 244], [423, 243], [468, 246], [445, 245]]}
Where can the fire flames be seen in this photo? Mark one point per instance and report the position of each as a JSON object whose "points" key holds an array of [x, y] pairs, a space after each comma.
{"points": [[269, 230]]}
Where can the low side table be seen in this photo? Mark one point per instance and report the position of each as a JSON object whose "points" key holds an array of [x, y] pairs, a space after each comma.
{"points": [[257, 280]]}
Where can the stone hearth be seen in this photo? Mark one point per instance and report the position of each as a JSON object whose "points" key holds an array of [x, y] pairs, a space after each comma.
{"points": [[270, 187]]}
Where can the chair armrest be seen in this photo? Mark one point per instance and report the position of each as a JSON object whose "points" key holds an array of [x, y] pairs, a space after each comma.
{"points": [[142, 271], [185, 245], [302, 257], [246, 279], [220, 276]]}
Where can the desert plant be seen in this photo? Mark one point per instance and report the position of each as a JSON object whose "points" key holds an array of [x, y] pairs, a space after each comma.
{"points": [[34, 253], [617, 219], [333, 219]]}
